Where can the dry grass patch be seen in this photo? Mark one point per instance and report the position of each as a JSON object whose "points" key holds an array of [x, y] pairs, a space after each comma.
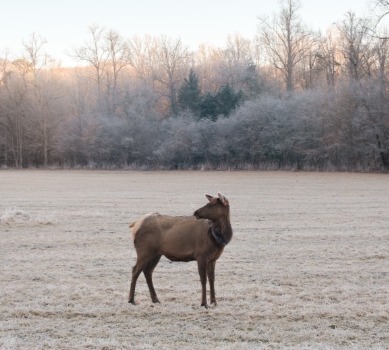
{"points": [[308, 266]]}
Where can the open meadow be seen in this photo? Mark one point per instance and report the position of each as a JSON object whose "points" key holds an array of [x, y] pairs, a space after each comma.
{"points": [[308, 265]]}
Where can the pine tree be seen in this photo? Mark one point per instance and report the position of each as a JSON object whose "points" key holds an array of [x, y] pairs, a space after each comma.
{"points": [[189, 94], [227, 100]]}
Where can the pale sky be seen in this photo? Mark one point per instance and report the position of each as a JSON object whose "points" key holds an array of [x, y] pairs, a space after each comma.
{"points": [[64, 23]]}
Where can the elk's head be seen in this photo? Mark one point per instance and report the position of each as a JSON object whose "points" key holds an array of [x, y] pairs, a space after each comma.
{"points": [[217, 207]]}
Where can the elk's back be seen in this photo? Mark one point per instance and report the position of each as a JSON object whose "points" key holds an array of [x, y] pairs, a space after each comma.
{"points": [[176, 237]]}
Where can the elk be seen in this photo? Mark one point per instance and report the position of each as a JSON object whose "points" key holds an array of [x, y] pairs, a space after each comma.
{"points": [[201, 237]]}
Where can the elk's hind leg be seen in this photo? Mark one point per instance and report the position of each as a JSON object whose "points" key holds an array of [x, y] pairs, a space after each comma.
{"points": [[135, 274], [148, 272], [141, 264]]}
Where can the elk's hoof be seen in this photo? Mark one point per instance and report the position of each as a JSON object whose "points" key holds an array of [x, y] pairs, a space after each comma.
{"points": [[205, 305]]}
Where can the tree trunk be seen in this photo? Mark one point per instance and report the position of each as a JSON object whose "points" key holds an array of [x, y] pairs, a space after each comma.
{"points": [[384, 155]]}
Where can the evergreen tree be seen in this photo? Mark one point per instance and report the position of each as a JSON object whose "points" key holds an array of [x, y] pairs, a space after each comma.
{"points": [[227, 100], [209, 106], [222, 103], [189, 94]]}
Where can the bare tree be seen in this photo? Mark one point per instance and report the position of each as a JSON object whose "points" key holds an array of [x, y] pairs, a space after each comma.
{"points": [[34, 53], [239, 66], [173, 57], [383, 7], [329, 52], [234, 65], [208, 62], [14, 109], [355, 45], [44, 91], [96, 54], [238, 50], [17, 95], [381, 59], [310, 68], [286, 40], [118, 59], [142, 57], [378, 108], [164, 62]]}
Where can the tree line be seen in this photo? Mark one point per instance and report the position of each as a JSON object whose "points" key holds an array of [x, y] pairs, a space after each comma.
{"points": [[288, 98]]}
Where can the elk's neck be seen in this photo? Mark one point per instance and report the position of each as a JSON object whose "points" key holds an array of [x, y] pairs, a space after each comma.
{"points": [[221, 230]]}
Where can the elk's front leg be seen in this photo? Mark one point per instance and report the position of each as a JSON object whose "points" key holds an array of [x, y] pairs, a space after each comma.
{"points": [[202, 265], [211, 279]]}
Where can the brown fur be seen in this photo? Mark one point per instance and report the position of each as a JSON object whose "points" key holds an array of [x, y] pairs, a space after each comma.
{"points": [[201, 237], [138, 223]]}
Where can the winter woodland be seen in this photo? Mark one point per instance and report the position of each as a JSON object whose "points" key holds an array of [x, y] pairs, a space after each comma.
{"points": [[290, 98]]}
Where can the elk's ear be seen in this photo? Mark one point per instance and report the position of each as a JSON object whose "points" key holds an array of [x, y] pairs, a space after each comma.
{"points": [[223, 199], [210, 198]]}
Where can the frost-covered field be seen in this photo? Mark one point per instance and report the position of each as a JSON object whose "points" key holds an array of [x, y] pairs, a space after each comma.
{"points": [[308, 266]]}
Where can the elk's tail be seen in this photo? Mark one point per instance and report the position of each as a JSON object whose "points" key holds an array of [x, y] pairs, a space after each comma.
{"points": [[136, 225]]}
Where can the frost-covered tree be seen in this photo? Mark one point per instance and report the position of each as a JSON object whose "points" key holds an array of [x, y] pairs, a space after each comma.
{"points": [[355, 44], [163, 62], [95, 53], [286, 40]]}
